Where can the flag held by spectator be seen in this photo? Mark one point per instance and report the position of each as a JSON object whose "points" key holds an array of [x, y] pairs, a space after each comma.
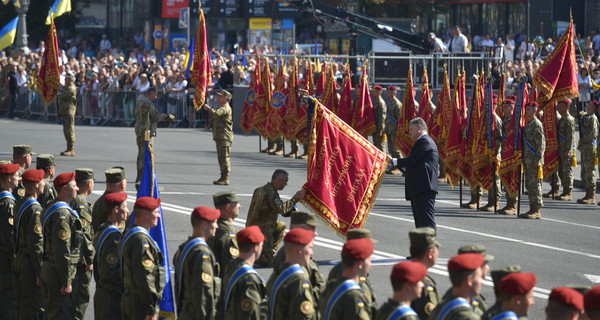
{"points": [[403, 140], [8, 34], [201, 71], [344, 172], [48, 83], [59, 8]]}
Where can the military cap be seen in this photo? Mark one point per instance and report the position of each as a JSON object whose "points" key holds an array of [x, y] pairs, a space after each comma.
{"points": [[44, 161], [409, 271], [115, 198], [465, 262], [532, 104], [377, 87], [225, 93], [358, 249], [115, 174], [422, 237], [250, 235], [592, 298], [206, 213], [84, 174], [392, 88], [33, 175], [63, 179], [508, 101], [517, 283], [567, 297], [22, 149], [299, 217], [359, 233], [565, 100], [9, 168], [498, 274], [225, 197], [476, 248], [147, 203], [299, 236]]}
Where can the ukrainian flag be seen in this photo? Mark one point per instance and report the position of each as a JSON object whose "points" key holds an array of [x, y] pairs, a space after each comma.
{"points": [[58, 9], [8, 34], [16, 3]]}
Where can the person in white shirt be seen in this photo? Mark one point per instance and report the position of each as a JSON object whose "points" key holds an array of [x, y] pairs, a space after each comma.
{"points": [[438, 45], [509, 49], [458, 42]]}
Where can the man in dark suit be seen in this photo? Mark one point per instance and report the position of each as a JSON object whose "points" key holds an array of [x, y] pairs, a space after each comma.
{"points": [[421, 174]]}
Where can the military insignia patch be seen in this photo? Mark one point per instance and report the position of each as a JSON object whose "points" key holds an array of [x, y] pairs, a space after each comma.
{"points": [[234, 252], [206, 277], [307, 307], [475, 303], [360, 303], [232, 234], [430, 288], [146, 245], [11, 221], [63, 216], [112, 258], [63, 234], [247, 305], [147, 263], [21, 192], [37, 229], [205, 256], [305, 285], [363, 279], [249, 282]]}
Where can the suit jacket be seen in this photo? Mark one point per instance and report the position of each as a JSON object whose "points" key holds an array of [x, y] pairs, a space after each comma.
{"points": [[422, 167]]}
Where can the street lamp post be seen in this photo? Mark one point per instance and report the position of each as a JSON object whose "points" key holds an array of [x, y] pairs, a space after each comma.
{"points": [[22, 24]]}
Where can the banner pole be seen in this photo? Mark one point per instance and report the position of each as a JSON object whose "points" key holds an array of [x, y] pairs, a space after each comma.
{"points": [[496, 198], [460, 191], [519, 193]]}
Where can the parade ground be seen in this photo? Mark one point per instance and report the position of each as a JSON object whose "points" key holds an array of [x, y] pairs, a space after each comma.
{"points": [[562, 248]]}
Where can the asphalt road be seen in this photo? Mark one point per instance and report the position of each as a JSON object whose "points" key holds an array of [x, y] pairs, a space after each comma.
{"points": [[561, 248]]}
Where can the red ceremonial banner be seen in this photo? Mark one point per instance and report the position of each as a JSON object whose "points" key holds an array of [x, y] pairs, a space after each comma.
{"points": [[249, 102], [363, 117], [425, 105], [454, 136], [550, 123], [484, 147], [274, 122], [290, 117], [302, 124], [330, 98], [48, 83], [321, 81], [439, 129], [345, 105], [404, 142], [344, 172], [201, 72], [263, 100]]}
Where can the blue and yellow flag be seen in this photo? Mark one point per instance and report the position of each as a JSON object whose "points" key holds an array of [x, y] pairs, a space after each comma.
{"points": [[59, 8], [149, 188], [189, 58], [8, 34]]}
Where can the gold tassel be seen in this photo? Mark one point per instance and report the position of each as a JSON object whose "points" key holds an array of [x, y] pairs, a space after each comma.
{"points": [[540, 173], [574, 161], [595, 161], [384, 138]]}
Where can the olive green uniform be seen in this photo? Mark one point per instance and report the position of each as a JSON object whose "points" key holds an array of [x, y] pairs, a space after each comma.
{"points": [[224, 244], [317, 281], [458, 313], [222, 127], [62, 244], [364, 283], [107, 273], [197, 284], [566, 150], [350, 305], [477, 302], [294, 299], [28, 260], [245, 295], [379, 107], [144, 276], [146, 118], [533, 157], [48, 194], [492, 311], [99, 213], [430, 298], [81, 283], [390, 306], [264, 208], [66, 110], [391, 124], [7, 254], [587, 147]]}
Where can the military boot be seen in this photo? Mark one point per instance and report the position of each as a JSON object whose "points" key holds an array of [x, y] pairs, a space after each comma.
{"points": [[473, 203], [590, 196], [533, 213], [492, 202], [270, 147], [69, 152], [552, 194], [223, 180], [566, 195], [510, 208], [294, 152], [278, 151]]}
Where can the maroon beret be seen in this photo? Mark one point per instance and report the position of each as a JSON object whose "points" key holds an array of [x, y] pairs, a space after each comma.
{"points": [[9, 168], [115, 198], [358, 249], [466, 262], [532, 104], [409, 271], [147, 203], [591, 298], [517, 283], [206, 213], [513, 97], [568, 297], [508, 101], [392, 88], [63, 179], [33, 175], [565, 100], [299, 236], [377, 87], [250, 235]]}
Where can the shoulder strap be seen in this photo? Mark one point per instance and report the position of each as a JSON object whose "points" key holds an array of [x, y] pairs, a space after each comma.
{"points": [[239, 273], [105, 233], [57, 206], [6, 194], [188, 247], [457, 303], [402, 311], [338, 293], [283, 277], [24, 207], [506, 315]]}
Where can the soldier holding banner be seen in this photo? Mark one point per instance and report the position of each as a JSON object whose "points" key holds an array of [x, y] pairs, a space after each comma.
{"points": [[533, 159], [508, 108], [146, 118]]}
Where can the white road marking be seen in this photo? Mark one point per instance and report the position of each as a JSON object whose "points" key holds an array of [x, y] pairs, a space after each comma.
{"points": [[593, 278]]}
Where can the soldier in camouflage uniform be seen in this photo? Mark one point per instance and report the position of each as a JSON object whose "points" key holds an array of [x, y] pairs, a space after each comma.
{"points": [[197, 281], [9, 180], [144, 276], [243, 289], [66, 111], [46, 162], [81, 284], [146, 118], [407, 283], [424, 248], [62, 233], [497, 275], [116, 181], [379, 108], [223, 244], [588, 130], [107, 267], [222, 126], [265, 206], [534, 145], [28, 244], [391, 124], [566, 149]]}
